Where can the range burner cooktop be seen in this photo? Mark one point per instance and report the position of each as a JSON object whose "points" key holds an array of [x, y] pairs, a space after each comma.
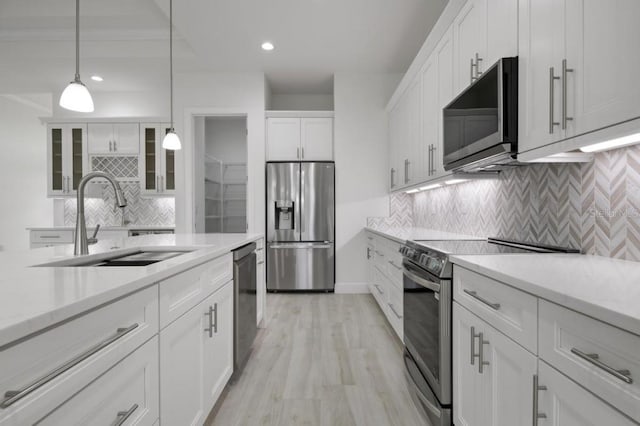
{"points": [[434, 255]]}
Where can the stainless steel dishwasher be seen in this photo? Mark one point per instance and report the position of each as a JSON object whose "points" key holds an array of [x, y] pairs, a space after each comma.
{"points": [[245, 299]]}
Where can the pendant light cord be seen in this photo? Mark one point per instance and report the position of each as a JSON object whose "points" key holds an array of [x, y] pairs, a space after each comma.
{"points": [[77, 41], [171, 58]]}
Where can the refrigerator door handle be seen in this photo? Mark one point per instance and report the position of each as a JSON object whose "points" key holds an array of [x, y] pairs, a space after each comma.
{"points": [[324, 245]]}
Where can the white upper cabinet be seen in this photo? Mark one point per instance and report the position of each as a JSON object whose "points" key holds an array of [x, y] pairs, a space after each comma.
{"points": [[444, 54], [469, 38], [283, 139], [540, 49], [299, 139], [113, 138], [602, 50], [316, 138], [578, 66], [484, 31], [67, 159], [431, 116], [157, 165]]}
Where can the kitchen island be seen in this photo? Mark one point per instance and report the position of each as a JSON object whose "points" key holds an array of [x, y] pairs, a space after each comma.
{"points": [[92, 343]]}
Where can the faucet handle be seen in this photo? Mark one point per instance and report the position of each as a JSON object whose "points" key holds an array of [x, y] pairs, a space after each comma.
{"points": [[94, 237]]}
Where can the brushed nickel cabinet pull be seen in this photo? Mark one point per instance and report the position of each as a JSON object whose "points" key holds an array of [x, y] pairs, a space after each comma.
{"points": [[209, 314], [624, 374], [481, 361], [473, 345], [13, 396], [215, 318], [552, 79], [474, 294], [478, 60], [394, 311], [537, 388], [122, 416], [565, 71]]}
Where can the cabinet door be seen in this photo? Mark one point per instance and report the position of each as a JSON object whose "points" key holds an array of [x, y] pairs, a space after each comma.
{"points": [[507, 380], [168, 163], [283, 139], [126, 138], [602, 48], [261, 292], [100, 137], [540, 48], [182, 351], [76, 156], [444, 52], [416, 152], [316, 139], [218, 346], [431, 116], [149, 135], [56, 178], [394, 147], [469, 34], [567, 404], [501, 31], [466, 378]]}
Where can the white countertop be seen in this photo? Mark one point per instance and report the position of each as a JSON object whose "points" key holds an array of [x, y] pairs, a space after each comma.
{"points": [[33, 298], [402, 235], [600, 287]]}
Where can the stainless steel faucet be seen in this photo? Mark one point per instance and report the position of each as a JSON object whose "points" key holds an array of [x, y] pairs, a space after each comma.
{"points": [[82, 242]]}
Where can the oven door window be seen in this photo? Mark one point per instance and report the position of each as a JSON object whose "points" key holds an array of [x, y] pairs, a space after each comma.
{"points": [[422, 321]]}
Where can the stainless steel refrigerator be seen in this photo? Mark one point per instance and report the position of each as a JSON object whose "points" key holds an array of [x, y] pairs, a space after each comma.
{"points": [[300, 226]]}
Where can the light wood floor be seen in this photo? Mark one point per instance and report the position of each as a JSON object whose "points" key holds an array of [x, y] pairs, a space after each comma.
{"points": [[324, 359]]}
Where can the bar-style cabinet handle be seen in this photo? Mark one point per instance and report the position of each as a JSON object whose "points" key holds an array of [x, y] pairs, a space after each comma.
{"points": [[481, 361], [215, 318], [536, 388], [114, 146], [552, 79], [624, 374], [209, 314], [393, 172], [122, 416], [110, 148], [302, 152], [13, 396], [473, 345], [474, 294], [406, 171], [297, 152], [394, 311], [471, 75], [565, 71], [478, 60]]}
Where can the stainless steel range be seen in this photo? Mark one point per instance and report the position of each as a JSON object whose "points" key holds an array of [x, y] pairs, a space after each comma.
{"points": [[428, 274]]}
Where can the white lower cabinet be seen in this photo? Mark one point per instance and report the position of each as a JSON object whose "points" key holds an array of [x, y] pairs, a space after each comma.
{"points": [[562, 402], [196, 359], [493, 375], [125, 395]]}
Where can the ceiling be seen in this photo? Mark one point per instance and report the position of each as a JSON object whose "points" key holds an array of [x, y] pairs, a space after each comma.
{"points": [[126, 41]]}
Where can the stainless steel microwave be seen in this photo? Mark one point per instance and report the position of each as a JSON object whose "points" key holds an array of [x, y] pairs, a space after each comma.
{"points": [[480, 128]]}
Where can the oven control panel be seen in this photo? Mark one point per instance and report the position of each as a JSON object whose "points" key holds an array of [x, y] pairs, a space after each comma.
{"points": [[432, 261]]}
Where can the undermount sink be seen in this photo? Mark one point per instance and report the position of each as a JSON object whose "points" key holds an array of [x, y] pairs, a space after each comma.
{"points": [[130, 258]]}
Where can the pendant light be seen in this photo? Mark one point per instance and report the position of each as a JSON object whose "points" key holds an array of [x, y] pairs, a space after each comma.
{"points": [[75, 96], [171, 139]]}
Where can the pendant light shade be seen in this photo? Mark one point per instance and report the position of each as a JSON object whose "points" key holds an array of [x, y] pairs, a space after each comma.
{"points": [[171, 139], [76, 96]]}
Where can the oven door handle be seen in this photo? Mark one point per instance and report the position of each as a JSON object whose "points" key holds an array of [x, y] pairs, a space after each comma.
{"points": [[421, 281]]}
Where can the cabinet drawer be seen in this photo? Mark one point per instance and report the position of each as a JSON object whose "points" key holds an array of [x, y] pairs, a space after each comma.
{"points": [[511, 311], [182, 292], [568, 338], [394, 311], [127, 393], [48, 368], [52, 237]]}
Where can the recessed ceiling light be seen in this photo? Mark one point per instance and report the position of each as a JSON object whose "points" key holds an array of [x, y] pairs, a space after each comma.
{"points": [[96, 78], [267, 45]]}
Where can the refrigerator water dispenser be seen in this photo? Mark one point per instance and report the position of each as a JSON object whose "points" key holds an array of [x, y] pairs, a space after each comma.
{"points": [[284, 215]]}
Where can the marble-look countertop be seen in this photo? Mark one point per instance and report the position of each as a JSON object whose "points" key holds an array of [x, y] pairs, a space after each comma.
{"points": [[35, 297], [600, 287], [402, 235]]}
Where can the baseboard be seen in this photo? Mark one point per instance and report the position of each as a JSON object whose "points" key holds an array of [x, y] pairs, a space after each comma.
{"points": [[352, 288]]}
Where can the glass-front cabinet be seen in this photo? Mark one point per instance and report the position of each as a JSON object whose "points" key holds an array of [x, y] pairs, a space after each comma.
{"points": [[67, 159], [157, 165]]}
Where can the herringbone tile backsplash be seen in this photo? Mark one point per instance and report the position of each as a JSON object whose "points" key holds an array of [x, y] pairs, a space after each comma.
{"points": [[594, 206], [139, 211]]}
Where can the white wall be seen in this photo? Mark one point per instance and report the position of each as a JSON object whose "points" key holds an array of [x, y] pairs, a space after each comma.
{"points": [[23, 187], [221, 94], [361, 156], [301, 102], [226, 138]]}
